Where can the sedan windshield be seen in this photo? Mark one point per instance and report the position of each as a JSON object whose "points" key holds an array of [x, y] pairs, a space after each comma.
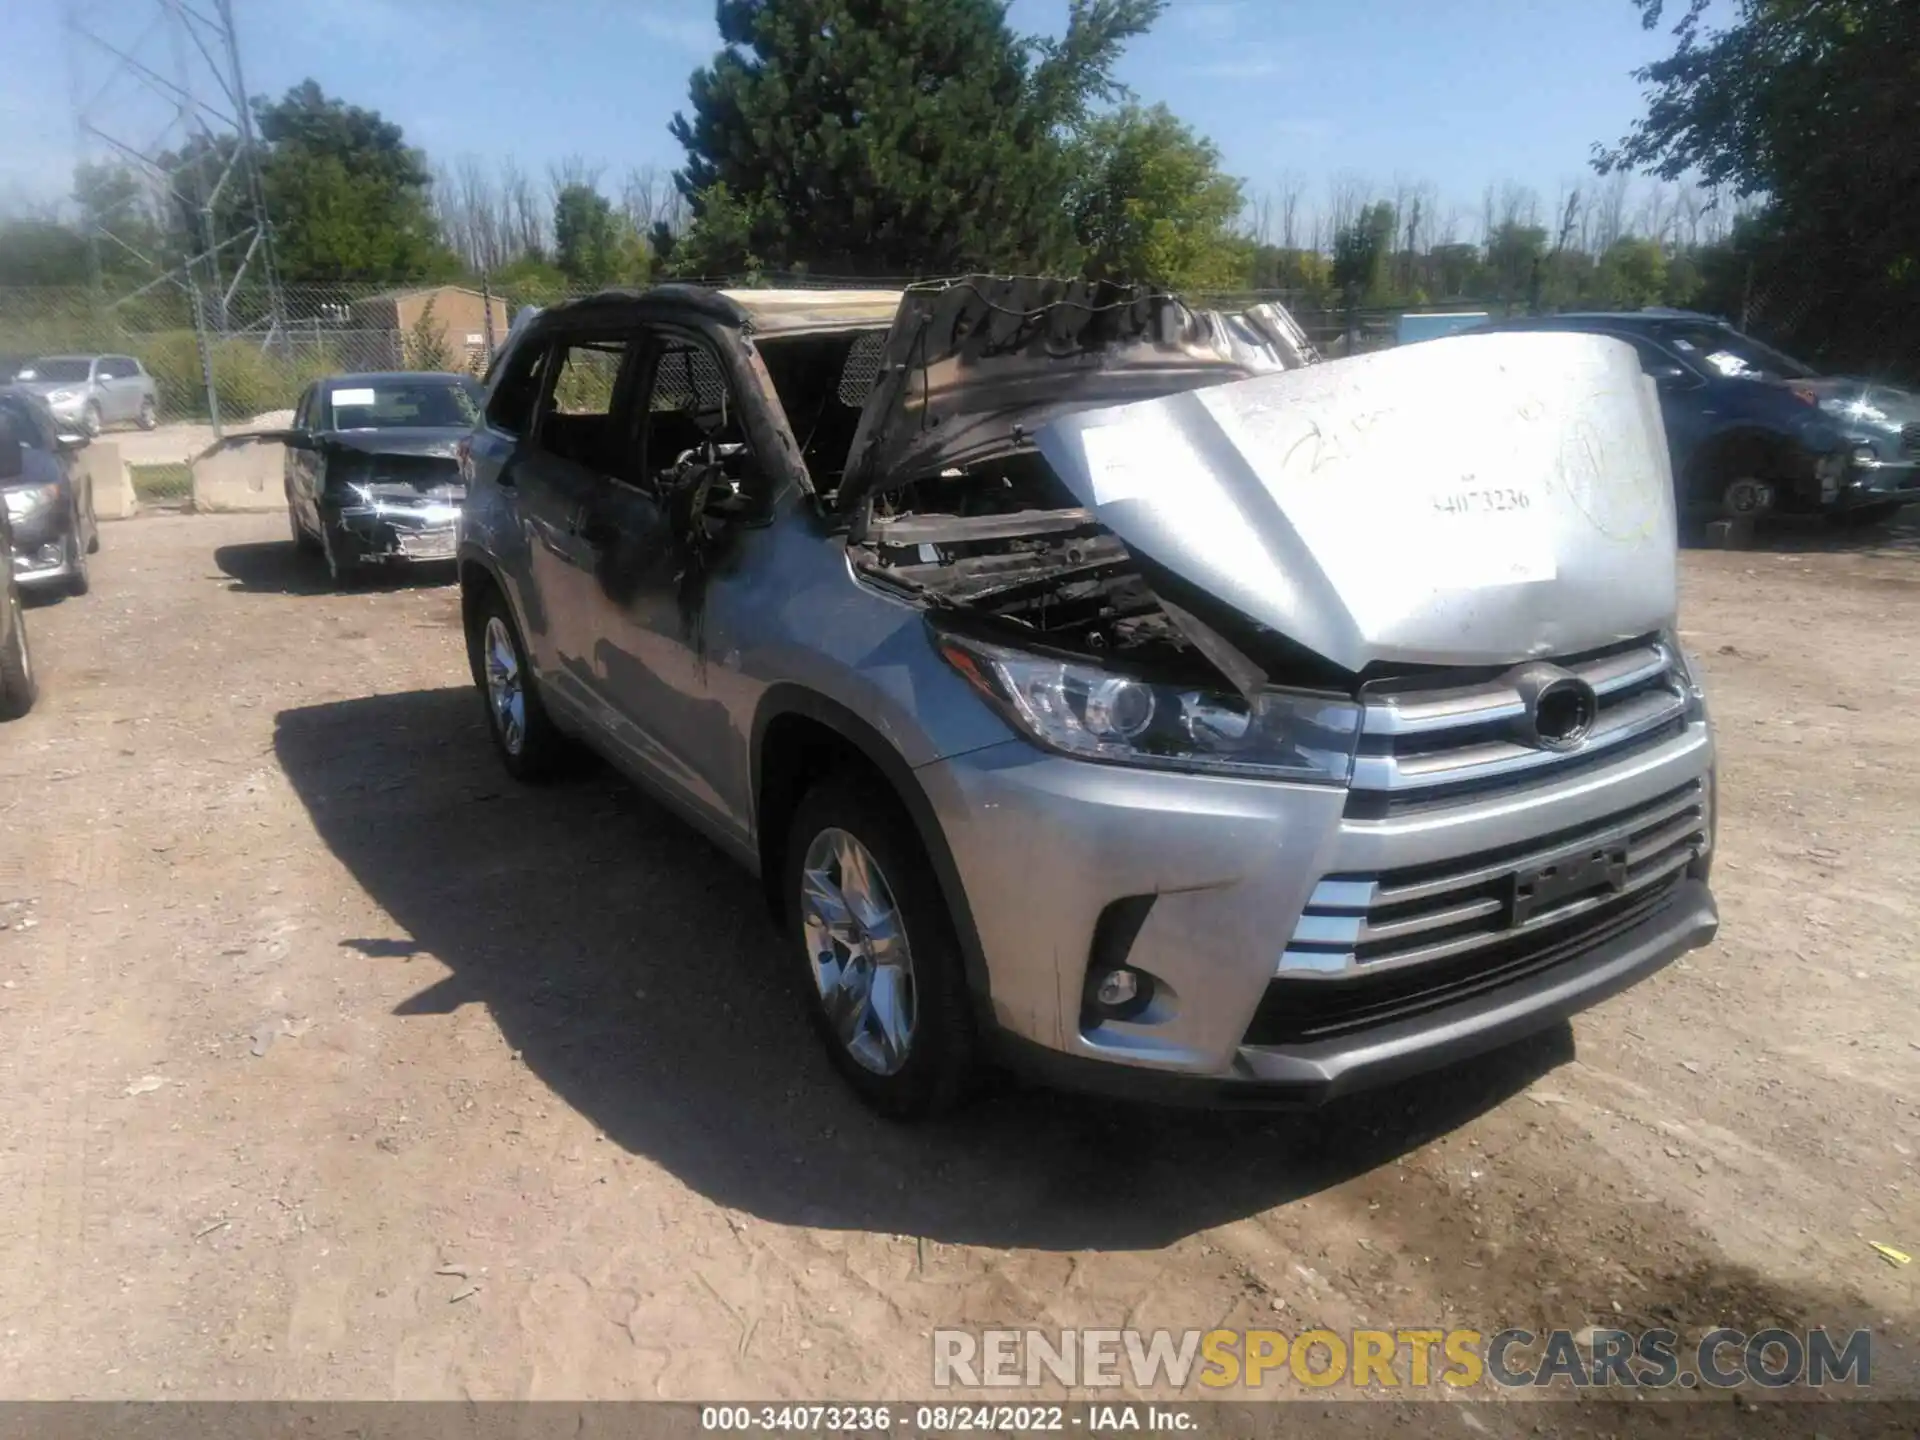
{"points": [[1723, 350], [391, 404], [56, 370]]}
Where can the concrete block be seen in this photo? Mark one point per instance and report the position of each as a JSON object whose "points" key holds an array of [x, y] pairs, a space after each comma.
{"points": [[113, 497], [1735, 534], [243, 474]]}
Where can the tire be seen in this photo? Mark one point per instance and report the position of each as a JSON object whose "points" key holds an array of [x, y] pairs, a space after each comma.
{"points": [[90, 419], [303, 538], [529, 744], [344, 573], [79, 581], [930, 1072], [149, 418], [19, 686], [93, 524]]}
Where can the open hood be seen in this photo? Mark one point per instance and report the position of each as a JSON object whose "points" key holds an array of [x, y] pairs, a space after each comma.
{"points": [[1472, 500], [973, 366]]}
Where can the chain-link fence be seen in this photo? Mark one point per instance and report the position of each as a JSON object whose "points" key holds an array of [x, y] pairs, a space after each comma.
{"points": [[261, 348]]}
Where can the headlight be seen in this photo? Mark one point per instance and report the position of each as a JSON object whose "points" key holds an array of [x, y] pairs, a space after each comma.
{"points": [[1853, 409], [62, 397], [26, 500], [1083, 710]]}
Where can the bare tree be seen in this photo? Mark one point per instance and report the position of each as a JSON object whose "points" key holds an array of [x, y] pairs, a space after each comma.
{"points": [[1290, 187], [1610, 212], [1346, 193], [528, 217]]}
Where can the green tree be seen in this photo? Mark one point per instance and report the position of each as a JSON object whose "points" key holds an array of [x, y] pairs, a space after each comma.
{"points": [[1152, 205], [1809, 104], [593, 244], [41, 252], [425, 343], [1360, 253], [348, 198], [1515, 253], [894, 136], [1631, 274]]}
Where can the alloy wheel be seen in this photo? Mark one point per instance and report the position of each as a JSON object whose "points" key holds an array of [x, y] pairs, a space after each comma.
{"points": [[506, 689], [857, 951]]}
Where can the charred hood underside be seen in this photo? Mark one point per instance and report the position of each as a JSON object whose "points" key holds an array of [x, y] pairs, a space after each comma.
{"points": [[1100, 475]]}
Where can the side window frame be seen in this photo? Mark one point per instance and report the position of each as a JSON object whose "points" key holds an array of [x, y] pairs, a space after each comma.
{"points": [[525, 369], [659, 336], [620, 402]]}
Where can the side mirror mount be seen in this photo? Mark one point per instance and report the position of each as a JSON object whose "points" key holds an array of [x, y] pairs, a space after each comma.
{"points": [[11, 458]]}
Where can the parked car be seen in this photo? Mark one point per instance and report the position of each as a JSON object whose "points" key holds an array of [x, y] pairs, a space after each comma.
{"points": [[1088, 701], [19, 687], [371, 474], [49, 502], [1751, 429], [88, 392]]}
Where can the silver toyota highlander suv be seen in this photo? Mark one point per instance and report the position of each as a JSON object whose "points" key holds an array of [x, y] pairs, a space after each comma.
{"points": [[1096, 689]]}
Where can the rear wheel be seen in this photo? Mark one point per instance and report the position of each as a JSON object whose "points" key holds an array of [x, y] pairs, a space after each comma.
{"points": [[530, 745], [879, 963], [18, 686]]}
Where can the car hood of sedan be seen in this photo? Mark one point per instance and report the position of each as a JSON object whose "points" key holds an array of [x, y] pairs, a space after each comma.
{"points": [[437, 441], [1473, 500]]}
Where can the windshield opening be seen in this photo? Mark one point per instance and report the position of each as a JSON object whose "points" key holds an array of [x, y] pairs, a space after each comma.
{"points": [[388, 405], [56, 370], [1725, 351]]}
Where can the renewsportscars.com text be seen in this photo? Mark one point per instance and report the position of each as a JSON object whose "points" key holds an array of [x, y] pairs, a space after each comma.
{"points": [[1400, 1359]]}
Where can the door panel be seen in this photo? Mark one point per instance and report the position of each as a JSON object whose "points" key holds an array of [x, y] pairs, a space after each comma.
{"points": [[555, 471], [651, 589]]}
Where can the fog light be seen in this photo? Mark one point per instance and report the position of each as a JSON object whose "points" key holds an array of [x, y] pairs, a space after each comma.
{"points": [[1865, 458], [49, 554], [1118, 988]]}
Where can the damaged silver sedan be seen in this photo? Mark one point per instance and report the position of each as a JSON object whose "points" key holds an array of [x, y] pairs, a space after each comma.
{"points": [[1102, 686]]}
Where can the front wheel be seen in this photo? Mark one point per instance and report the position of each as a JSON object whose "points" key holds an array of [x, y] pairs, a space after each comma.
{"points": [[303, 540], [530, 745], [90, 419], [79, 580], [879, 962], [18, 685], [149, 414]]}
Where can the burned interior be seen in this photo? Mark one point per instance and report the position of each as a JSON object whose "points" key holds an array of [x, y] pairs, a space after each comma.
{"points": [[946, 497]]}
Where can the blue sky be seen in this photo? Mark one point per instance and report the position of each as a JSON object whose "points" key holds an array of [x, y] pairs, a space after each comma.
{"points": [[1456, 93]]}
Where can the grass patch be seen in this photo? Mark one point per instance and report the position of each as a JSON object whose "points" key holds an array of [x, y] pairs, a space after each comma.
{"points": [[162, 483]]}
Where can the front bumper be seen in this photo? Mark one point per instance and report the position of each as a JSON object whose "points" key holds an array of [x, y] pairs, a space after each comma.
{"points": [[382, 530], [43, 548], [1212, 877], [1884, 482]]}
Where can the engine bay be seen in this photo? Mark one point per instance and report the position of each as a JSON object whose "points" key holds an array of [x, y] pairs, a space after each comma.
{"points": [[1001, 539]]}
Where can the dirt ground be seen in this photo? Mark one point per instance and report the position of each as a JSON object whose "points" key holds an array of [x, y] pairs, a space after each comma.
{"points": [[333, 1064]]}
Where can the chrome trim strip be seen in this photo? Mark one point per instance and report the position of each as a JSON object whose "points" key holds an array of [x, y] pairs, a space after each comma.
{"points": [[1495, 758]]}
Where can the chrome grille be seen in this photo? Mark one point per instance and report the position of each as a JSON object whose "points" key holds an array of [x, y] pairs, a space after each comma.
{"points": [[1367, 924], [1441, 743], [1910, 439]]}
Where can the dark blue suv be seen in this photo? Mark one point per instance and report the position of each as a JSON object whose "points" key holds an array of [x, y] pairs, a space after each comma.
{"points": [[1753, 430]]}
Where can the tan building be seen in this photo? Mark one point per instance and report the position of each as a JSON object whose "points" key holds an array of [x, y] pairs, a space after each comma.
{"points": [[454, 314]]}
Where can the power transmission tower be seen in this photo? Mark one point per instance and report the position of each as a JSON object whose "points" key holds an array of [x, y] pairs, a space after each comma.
{"points": [[157, 90]]}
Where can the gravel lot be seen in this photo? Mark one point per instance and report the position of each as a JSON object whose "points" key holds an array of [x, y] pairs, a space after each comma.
{"points": [[332, 1064]]}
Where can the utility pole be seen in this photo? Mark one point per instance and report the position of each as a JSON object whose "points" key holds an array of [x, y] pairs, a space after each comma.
{"points": [[158, 92]]}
